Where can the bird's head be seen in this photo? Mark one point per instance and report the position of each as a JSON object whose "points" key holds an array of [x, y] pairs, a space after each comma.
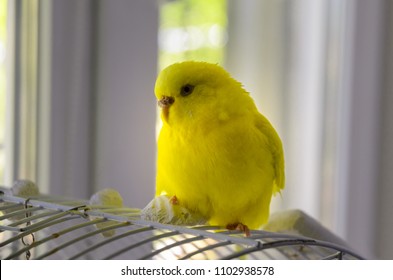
{"points": [[193, 90]]}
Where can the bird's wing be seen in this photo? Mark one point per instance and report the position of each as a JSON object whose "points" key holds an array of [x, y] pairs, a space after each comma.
{"points": [[277, 151]]}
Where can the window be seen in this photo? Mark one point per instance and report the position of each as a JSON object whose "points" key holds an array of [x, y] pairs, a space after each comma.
{"points": [[192, 30], [307, 66]]}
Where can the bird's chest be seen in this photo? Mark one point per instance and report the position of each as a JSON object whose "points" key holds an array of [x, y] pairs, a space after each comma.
{"points": [[190, 160], [203, 165]]}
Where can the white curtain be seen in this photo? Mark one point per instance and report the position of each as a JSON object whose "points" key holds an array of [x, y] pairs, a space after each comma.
{"points": [[314, 69]]}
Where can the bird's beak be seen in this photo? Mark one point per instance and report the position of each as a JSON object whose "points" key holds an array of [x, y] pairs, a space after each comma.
{"points": [[165, 102]]}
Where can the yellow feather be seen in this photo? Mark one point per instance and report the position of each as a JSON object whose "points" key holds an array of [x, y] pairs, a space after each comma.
{"points": [[216, 153]]}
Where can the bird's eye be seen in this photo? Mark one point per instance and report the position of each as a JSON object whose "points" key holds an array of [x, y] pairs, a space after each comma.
{"points": [[186, 90]]}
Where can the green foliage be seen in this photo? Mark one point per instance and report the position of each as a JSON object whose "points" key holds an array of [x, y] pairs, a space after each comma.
{"points": [[192, 30]]}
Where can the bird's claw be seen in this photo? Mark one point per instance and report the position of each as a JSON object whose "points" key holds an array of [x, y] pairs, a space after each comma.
{"points": [[241, 227], [173, 200]]}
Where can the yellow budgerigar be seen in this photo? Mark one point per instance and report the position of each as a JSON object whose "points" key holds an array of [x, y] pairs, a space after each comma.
{"points": [[217, 155]]}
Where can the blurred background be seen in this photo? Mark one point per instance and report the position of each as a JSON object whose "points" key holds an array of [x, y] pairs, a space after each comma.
{"points": [[78, 112]]}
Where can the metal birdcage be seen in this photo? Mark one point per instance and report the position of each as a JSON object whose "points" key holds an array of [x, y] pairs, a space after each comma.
{"points": [[47, 227]]}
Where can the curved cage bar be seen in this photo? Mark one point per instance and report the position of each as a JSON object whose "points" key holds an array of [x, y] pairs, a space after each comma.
{"points": [[46, 227]]}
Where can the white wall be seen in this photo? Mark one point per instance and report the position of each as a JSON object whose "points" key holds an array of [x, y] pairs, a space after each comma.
{"points": [[384, 217], [97, 110], [124, 139], [357, 220]]}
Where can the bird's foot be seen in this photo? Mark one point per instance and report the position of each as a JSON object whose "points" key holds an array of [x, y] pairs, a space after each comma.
{"points": [[173, 200], [241, 227]]}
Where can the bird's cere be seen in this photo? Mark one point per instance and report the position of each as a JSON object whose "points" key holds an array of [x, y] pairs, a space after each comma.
{"points": [[166, 101]]}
